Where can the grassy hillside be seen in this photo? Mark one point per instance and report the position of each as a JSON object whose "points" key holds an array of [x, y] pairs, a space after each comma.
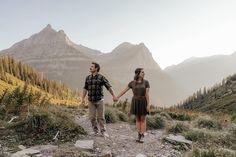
{"points": [[220, 98], [15, 74], [31, 110]]}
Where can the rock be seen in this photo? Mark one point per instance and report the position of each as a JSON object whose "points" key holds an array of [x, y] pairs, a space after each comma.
{"points": [[46, 150], [26, 153], [85, 144], [140, 155], [176, 140], [45, 147], [21, 147], [88, 154], [106, 153]]}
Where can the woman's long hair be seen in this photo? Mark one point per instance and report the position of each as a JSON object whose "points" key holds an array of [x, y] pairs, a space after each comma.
{"points": [[137, 72]]}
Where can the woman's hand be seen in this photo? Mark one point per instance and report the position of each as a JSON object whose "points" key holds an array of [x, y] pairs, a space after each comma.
{"points": [[115, 99], [148, 108]]}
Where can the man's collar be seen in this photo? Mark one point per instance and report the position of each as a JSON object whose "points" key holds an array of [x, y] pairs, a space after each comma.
{"points": [[93, 75]]}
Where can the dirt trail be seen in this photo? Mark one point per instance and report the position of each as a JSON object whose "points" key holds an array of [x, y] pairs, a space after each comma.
{"points": [[122, 140]]}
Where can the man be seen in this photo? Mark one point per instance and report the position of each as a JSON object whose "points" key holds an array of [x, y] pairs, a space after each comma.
{"points": [[94, 88]]}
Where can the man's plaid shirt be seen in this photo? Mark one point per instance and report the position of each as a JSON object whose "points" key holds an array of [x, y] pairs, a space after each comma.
{"points": [[93, 84]]}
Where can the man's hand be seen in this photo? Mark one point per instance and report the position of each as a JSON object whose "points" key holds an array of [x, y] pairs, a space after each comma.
{"points": [[82, 102], [115, 99]]}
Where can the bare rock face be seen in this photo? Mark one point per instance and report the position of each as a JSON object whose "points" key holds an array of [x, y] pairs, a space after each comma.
{"points": [[52, 53]]}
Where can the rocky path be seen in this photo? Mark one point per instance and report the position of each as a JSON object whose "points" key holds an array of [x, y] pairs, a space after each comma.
{"points": [[121, 141]]}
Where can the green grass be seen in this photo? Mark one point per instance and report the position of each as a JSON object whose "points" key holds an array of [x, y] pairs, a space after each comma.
{"points": [[178, 128], [39, 126], [213, 153], [208, 123], [110, 115], [180, 116], [197, 136], [155, 122], [113, 115], [122, 116]]}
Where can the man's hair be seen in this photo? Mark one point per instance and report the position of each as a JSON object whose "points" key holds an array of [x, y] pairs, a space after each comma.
{"points": [[96, 66]]}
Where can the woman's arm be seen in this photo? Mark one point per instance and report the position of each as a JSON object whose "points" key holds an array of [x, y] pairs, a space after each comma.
{"points": [[147, 97], [123, 92]]}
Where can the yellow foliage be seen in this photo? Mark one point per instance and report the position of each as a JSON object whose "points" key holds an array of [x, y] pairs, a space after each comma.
{"points": [[15, 82]]}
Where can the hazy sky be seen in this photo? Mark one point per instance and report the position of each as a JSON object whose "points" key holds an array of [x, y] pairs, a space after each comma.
{"points": [[173, 30]]}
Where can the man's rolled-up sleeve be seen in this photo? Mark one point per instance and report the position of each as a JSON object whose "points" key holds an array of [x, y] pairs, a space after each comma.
{"points": [[106, 83]]}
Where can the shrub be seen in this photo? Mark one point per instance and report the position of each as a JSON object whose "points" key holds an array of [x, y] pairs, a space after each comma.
{"points": [[19, 100], [122, 116], [110, 115], [132, 119], [197, 136], [230, 138], [180, 116], [233, 118], [166, 115], [213, 153], [155, 122], [178, 128], [43, 124], [155, 111], [208, 123]]}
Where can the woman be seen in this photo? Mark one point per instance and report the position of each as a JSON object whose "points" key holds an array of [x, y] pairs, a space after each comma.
{"points": [[140, 101]]}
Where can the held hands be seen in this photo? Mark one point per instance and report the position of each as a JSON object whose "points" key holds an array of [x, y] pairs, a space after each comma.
{"points": [[82, 102], [115, 99]]}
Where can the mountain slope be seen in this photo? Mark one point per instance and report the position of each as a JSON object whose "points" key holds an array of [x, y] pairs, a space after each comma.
{"points": [[220, 98], [14, 74], [52, 53], [195, 73], [126, 57]]}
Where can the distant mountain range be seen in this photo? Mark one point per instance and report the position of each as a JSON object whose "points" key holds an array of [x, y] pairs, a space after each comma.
{"points": [[57, 57], [195, 73]]}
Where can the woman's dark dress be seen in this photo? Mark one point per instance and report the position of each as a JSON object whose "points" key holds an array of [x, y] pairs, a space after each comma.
{"points": [[139, 101]]}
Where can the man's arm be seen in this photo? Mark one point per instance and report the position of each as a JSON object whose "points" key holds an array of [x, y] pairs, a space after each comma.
{"points": [[111, 92], [85, 90], [83, 95], [108, 87]]}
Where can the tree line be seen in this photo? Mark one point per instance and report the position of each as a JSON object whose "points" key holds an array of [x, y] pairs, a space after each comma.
{"points": [[22, 71]]}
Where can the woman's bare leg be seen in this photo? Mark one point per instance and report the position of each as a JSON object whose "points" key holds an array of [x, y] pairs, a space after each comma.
{"points": [[143, 124], [138, 123]]}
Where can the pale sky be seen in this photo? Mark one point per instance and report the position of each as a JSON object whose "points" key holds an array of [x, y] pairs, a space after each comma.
{"points": [[173, 30]]}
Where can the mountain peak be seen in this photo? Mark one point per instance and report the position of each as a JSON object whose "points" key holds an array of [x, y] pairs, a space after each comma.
{"points": [[61, 32], [125, 44], [142, 44], [48, 34], [48, 28]]}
